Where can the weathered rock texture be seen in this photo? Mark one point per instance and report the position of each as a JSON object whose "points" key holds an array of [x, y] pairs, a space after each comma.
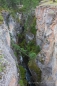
{"points": [[8, 69], [46, 37]]}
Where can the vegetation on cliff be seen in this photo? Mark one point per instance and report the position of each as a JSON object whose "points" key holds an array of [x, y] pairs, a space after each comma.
{"points": [[22, 81], [16, 3]]}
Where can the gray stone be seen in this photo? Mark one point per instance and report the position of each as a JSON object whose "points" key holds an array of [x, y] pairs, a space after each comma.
{"points": [[48, 32], [48, 39], [38, 41], [49, 17], [7, 59], [29, 37]]}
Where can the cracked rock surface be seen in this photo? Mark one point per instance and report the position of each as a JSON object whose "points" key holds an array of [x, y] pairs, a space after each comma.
{"points": [[46, 37], [8, 69]]}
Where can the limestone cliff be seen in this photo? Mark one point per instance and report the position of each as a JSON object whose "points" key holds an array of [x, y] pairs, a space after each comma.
{"points": [[46, 37], [8, 69]]}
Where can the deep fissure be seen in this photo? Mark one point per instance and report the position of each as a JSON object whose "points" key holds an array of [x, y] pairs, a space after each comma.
{"points": [[24, 60]]}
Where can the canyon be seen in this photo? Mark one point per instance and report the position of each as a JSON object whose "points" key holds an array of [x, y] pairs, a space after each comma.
{"points": [[46, 38]]}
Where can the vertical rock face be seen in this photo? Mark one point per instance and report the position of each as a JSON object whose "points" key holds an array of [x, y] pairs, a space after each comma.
{"points": [[8, 69], [14, 27], [46, 37]]}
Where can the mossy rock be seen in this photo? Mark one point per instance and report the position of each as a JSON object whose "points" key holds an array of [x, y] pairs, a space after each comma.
{"points": [[1, 67], [33, 67], [2, 64], [1, 19]]}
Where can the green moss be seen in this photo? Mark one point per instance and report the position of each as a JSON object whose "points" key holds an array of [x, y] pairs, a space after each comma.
{"points": [[1, 19], [1, 68], [33, 66], [21, 83], [1, 56], [23, 75]]}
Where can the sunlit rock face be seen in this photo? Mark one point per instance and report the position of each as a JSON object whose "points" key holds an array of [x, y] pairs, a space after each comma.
{"points": [[8, 69], [46, 37]]}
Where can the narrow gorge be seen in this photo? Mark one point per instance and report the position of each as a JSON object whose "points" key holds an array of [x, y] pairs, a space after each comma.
{"points": [[28, 49]]}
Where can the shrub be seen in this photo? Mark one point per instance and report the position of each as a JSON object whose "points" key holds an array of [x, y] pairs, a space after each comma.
{"points": [[23, 75], [32, 55], [21, 83]]}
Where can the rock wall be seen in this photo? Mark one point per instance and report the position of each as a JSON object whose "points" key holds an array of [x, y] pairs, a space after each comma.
{"points": [[46, 37], [14, 26], [8, 69]]}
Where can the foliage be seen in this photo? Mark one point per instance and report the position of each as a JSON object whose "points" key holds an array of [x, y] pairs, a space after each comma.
{"points": [[31, 46], [26, 51], [18, 48], [15, 53], [33, 29], [28, 4], [23, 78], [23, 9], [23, 50], [32, 55], [14, 3], [15, 46], [21, 83], [30, 24]]}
